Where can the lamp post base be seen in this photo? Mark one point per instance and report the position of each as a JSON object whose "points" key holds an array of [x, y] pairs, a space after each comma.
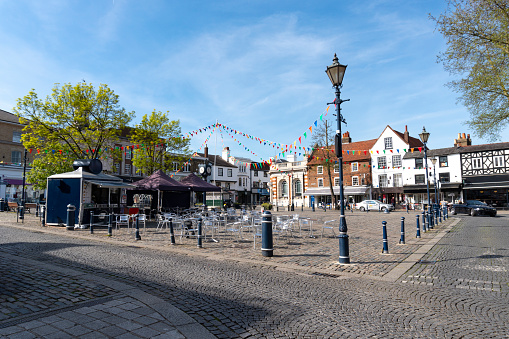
{"points": [[344, 250]]}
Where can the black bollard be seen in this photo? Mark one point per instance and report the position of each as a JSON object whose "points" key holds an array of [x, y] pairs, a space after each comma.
{"points": [[302, 207], [384, 237], [424, 221], [418, 234], [402, 238], [21, 211], [313, 206], [37, 209], [43, 221], [436, 216], [110, 226], [172, 234], [293, 207], [70, 217], [199, 233], [137, 233], [277, 208], [91, 222], [267, 243]]}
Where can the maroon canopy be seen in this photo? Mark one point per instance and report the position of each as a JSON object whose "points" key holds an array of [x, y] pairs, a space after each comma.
{"points": [[160, 181], [199, 185]]}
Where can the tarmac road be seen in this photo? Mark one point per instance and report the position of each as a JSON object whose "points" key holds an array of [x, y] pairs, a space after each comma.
{"points": [[458, 290]]}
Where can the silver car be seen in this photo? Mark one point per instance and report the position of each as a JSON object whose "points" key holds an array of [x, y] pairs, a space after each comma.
{"points": [[373, 205]]}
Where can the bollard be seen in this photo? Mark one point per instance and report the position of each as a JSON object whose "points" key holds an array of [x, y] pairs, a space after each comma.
{"points": [[293, 207], [418, 234], [110, 226], [37, 210], [402, 238], [70, 217], [407, 208], [288, 208], [43, 221], [91, 222], [277, 208], [436, 217], [440, 212], [384, 237], [267, 243], [199, 233], [21, 210], [423, 221], [302, 207], [313, 206], [172, 234], [137, 233]]}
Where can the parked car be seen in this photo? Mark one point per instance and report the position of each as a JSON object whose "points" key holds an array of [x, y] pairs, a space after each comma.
{"points": [[375, 205], [473, 207]]}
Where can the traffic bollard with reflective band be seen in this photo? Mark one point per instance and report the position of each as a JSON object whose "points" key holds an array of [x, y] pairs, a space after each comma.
{"points": [[172, 234], [424, 221], [43, 221], [267, 242], [137, 233], [384, 236], [70, 217], [199, 233], [436, 217], [402, 238], [418, 234], [37, 210], [91, 222], [21, 211], [110, 227]]}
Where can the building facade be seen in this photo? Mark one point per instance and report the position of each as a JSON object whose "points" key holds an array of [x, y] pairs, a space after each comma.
{"points": [[289, 181]]}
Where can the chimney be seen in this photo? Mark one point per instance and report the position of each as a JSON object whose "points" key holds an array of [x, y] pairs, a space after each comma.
{"points": [[206, 152], [346, 138], [463, 140], [226, 153], [406, 136]]}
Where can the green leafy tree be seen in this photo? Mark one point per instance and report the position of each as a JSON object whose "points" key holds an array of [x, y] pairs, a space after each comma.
{"points": [[159, 143], [74, 122], [477, 36], [323, 139]]}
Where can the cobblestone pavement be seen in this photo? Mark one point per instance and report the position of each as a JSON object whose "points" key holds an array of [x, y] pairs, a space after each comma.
{"points": [[234, 292]]}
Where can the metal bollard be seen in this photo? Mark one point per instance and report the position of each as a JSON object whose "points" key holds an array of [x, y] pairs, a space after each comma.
{"points": [[418, 234], [137, 233], [21, 210], [277, 208], [436, 217], [172, 234], [91, 222], [440, 212], [110, 226], [199, 233], [424, 221], [70, 217], [313, 206], [302, 207], [37, 209], [267, 243], [402, 238], [384, 237], [43, 221]]}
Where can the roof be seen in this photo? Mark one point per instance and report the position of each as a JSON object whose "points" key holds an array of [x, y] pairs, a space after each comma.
{"points": [[160, 181], [199, 185], [459, 150], [218, 160], [412, 142], [354, 151], [6, 116]]}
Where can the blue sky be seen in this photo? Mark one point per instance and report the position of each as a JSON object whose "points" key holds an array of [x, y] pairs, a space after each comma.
{"points": [[256, 66]]}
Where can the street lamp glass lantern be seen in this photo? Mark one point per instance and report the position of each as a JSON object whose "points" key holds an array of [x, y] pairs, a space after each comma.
{"points": [[336, 72], [433, 161], [424, 135]]}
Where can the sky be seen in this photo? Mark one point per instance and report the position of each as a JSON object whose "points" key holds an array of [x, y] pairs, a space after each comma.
{"points": [[255, 66]]}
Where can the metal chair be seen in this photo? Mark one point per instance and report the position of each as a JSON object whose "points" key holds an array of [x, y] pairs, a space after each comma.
{"points": [[329, 225], [122, 219]]}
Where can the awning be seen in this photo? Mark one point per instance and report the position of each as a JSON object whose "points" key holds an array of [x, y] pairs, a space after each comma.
{"points": [[111, 184], [486, 185], [15, 182]]}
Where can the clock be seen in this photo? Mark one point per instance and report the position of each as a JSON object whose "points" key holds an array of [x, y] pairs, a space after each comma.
{"points": [[201, 170], [209, 169]]}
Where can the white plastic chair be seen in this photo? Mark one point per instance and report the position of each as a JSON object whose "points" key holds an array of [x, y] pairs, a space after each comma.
{"points": [[329, 225]]}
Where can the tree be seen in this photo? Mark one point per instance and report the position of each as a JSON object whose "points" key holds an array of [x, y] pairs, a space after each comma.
{"points": [[477, 36], [160, 143], [323, 138], [74, 122]]}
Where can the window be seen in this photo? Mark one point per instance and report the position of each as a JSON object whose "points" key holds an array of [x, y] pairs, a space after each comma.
{"points": [[16, 136], [264, 174], [240, 182], [355, 166], [444, 177], [442, 161], [498, 161], [397, 180], [320, 182], [16, 157], [128, 154], [363, 181], [298, 188], [336, 168], [336, 182], [419, 179], [175, 166], [476, 163], [229, 172], [355, 181], [116, 168], [127, 169], [219, 172], [255, 173], [187, 167], [382, 180], [382, 162], [284, 188], [419, 163], [396, 161], [388, 143], [319, 170]]}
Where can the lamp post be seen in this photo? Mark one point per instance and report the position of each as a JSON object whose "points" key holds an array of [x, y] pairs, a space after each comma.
{"points": [[424, 138], [336, 72]]}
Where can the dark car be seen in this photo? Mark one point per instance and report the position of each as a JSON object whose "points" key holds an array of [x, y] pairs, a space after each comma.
{"points": [[474, 207]]}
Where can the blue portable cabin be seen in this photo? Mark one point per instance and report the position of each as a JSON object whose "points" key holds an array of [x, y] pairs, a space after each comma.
{"points": [[87, 189]]}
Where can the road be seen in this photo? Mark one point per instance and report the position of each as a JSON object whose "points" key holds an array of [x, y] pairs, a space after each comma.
{"points": [[458, 290]]}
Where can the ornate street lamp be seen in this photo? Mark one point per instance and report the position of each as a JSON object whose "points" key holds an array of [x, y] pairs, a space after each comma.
{"points": [[336, 72], [424, 138]]}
